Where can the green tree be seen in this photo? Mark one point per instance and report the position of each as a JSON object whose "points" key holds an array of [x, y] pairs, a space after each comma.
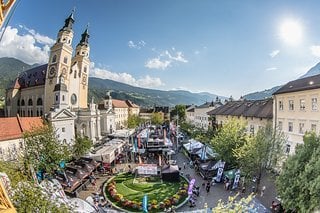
{"points": [[81, 146], [234, 205], [43, 150], [298, 184], [228, 139], [261, 151], [134, 121], [156, 118], [179, 110], [29, 197]]}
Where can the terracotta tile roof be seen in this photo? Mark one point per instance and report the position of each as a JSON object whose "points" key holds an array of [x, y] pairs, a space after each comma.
{"points": [[13, 127], [308, 83], [119, 104]]}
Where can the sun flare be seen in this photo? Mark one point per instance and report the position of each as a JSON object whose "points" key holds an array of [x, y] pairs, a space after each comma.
{"points": [[291, 32]]}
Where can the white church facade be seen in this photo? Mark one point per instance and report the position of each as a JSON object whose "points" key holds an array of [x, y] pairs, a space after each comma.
{"points": [[58, 91]]}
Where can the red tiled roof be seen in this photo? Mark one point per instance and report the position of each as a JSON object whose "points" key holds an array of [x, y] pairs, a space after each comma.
{"points": [[13, 127], [119, 104]]}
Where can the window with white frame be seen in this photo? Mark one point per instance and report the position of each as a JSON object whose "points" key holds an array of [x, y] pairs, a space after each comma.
{"points": [[302, 104], [314, 104], [301, 128], [280, 105], [314, 127], [291, 105], [290, 126], [280, 125]]}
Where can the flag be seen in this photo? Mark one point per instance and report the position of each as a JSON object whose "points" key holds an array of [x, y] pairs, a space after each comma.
{"points": [[135, 146], [203, 152], [145, 203], [236, 179]]}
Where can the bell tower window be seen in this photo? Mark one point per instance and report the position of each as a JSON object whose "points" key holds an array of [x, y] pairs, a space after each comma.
{"points": [[65, 59], [54, 59]]}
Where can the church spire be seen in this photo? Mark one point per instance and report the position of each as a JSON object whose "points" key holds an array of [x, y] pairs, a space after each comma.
{"points": [[68, 22], [85, 36]]}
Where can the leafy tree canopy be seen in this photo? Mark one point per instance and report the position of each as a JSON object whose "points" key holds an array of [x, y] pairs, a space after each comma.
{"points": [[43, 150], [299, 182], [179, 110], [228, 139], [261, 151], [81, 146], [134, 121], [156, 118]]}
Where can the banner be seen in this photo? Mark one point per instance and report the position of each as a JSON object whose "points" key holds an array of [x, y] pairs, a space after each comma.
{"points": [[236, 179], [145, 203], [191, 184], [204, 152], [220, 170]]}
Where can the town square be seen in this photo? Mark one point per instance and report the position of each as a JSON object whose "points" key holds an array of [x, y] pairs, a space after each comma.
{"points": [[149, 106]]}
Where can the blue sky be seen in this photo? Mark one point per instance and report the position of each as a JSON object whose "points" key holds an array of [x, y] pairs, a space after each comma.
{"points": [[223, 47]]}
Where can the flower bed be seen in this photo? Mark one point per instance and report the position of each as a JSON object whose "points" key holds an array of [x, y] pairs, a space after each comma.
{"points": [[127, 194]]}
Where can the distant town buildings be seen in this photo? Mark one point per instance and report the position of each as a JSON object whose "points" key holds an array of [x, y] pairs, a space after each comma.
{"points": [[197, 115]]}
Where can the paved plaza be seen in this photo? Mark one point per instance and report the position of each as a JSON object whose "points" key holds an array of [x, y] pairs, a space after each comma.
{"points": [[216, 193]]}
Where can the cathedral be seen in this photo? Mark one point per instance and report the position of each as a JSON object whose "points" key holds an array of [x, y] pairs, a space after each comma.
{"points": [[58, 91]]}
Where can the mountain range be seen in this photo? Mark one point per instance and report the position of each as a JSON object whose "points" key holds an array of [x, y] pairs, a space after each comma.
{"points": [[268, 92], [11, 67]]}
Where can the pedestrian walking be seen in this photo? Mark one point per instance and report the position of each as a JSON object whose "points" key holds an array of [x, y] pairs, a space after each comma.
{"points": [[262, 190], [184, 165], [208, 187], [243, 190]]}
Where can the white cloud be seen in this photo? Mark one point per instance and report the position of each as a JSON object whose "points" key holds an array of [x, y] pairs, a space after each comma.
{"points": [[315, 50], [156, 63], [196, 52], [137, 45], [42, 39], [271, 68], [274, 53], [165, 59], [146, 81], [30, 47]]}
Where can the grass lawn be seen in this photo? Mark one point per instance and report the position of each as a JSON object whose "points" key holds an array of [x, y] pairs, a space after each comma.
{"points": [[134, 189]]}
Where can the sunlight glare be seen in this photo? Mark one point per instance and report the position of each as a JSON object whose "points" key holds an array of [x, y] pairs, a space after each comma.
{"points": [[291, 32]]}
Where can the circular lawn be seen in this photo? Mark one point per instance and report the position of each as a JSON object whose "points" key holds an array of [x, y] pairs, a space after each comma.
{"points": [[127, 191]]}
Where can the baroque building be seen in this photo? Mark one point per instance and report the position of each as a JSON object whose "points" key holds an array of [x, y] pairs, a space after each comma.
{"points": [[58, 90]]}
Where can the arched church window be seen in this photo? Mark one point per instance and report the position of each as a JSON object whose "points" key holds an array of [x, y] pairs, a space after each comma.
{"points": [[30, 102], [85, 69], [22, 103], [65, 59], [39, 102], [63, 98], [57, 98], [75, 74], [18, 102], [73, 99], [54, 59]]}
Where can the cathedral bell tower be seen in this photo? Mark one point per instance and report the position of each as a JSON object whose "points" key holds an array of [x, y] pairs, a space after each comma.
{"points": [[60, 94], [59, 62], [79, 73]]}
